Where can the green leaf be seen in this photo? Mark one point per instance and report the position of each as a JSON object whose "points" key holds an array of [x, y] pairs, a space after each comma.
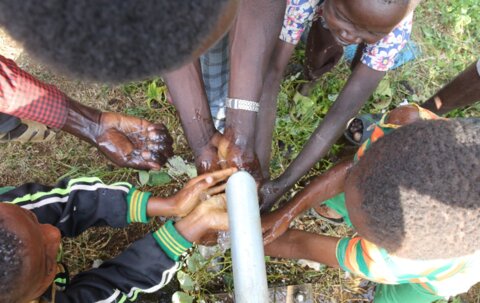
{"points": [[384, 89], [159, 178], [143, 177], [177, 167], [382, 103], [195, 262], [303, 104], [186, 282], [153, 91], [181, 297]]}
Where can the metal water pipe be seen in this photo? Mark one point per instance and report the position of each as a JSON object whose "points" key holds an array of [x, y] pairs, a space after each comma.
{"points": [[248, 260]]}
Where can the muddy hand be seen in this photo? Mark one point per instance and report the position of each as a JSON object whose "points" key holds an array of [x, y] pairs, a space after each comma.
{"points": [[207, 159], [133, 142], [237, 154]]}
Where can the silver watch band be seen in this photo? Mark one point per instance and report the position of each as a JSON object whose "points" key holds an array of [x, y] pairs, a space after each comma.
{"points": [[242, 104]]}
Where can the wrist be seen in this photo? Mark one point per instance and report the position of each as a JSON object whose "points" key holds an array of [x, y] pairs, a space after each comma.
{"points": [[137, 206], [193, 227], [163, 207], [82, 121], [172, 242], [240, 135]]}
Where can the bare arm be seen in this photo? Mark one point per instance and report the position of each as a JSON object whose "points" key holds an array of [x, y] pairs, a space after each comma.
{"points": [[188, 94], [253, 38], [268, 111], [297, 244], [461, 91], [320, 189], [126, 140], [358, 88]]}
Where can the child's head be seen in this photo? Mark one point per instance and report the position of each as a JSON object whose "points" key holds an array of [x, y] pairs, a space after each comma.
{"points": [[353, 22], [117, 41], [28, 252], [416, 191]]}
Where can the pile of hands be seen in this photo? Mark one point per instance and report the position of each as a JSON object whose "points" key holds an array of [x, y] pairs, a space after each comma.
{"points": [[133, 142], [201, 204]]}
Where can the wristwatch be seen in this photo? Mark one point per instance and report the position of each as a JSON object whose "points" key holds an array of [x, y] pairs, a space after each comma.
{"points": [[242, 104]]}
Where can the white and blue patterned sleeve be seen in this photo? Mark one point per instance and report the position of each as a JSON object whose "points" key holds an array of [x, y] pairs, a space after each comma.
{"points": [[381, 55], [298, 14]]}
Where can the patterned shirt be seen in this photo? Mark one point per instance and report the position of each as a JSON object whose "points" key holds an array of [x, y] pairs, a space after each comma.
{"points": [[24, 96], [379, 56], [443, 277]]}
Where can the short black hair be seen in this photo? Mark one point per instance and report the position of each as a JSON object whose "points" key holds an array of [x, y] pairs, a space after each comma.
{"points": [[11, 262], [420, 189], [111, 41]]}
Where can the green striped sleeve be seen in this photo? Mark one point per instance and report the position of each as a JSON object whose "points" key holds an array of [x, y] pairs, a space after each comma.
{"points": [[351, 257], [342, 245], [171, 241], [137, 206]]}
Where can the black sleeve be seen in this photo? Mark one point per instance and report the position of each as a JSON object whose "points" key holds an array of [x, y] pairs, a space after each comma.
{"points": [[74, 205], [143, 267]]}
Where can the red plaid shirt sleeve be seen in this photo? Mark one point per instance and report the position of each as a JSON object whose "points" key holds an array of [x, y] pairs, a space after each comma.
{"points": [[23, 96]]}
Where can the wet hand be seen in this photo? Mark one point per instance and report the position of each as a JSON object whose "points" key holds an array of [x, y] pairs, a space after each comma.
{"points": [[274, 224], [207, 159], [269, 194], [205, 221], [234, 152], [199, 189], [132, 142]]}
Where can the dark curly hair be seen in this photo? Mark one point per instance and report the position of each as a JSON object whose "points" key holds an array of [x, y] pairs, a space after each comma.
{"points": [[111, 41], [11, 262], [420, 189]]}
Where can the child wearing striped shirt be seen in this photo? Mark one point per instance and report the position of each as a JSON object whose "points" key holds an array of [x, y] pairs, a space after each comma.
{"points": [[34, 218], [412, 196]]}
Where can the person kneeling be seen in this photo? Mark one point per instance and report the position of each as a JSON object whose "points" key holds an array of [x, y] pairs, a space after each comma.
{"points": [[34, 218]]}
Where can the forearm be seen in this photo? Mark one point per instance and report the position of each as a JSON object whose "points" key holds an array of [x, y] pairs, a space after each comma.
{"points": [[252, 40], [75, 205], [320, 189], [297, 244], [188, 94], [461, 91], [82, 121], [268, 111], [357, 90], [142, 267], [24, 96]]}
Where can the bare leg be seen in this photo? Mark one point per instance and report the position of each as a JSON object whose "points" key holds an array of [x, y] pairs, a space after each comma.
{"points": [[322, 53]]}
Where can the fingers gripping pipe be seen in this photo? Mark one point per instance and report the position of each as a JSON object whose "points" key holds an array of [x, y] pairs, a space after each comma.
{"points": [[249, 274]]}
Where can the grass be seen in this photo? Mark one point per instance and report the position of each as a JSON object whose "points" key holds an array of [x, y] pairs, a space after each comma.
{"points": [[448, 36]]}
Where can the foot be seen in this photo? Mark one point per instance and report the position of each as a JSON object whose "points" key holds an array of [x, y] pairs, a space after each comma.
{"points": [[28, 132], [325, 213]]}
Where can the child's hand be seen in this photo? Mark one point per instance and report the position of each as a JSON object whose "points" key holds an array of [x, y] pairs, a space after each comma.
{"points": [[274, 224], [197, 189], [206, 219]]}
